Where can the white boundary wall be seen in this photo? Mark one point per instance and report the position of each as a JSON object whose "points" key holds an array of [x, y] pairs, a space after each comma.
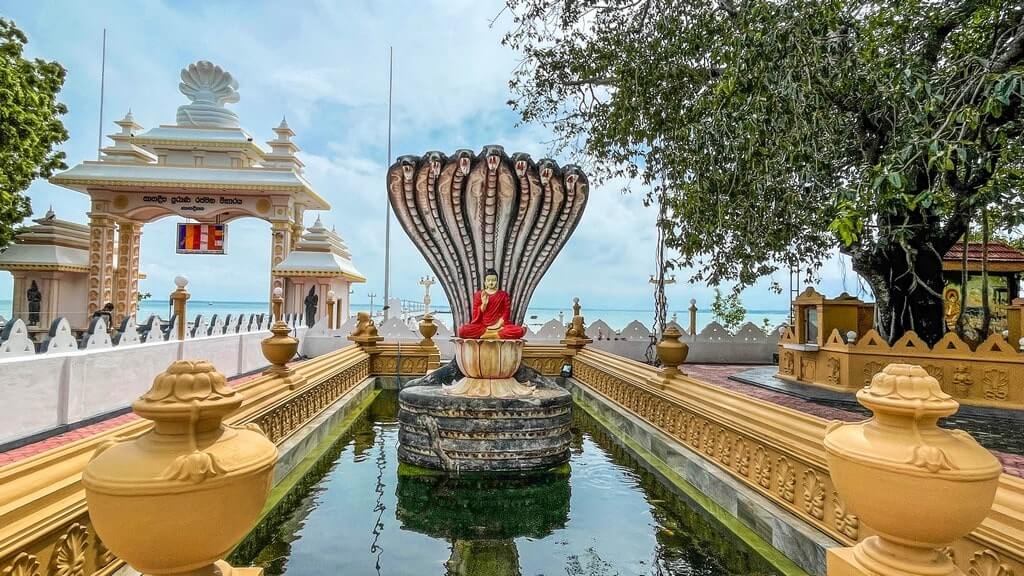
{"points": [[712, 345], [42, 392]]}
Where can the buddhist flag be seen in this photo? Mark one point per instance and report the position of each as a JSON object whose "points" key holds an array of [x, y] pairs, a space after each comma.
{"points": [[201, 238]]}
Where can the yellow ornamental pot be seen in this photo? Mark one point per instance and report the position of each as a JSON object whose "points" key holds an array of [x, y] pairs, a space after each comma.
{"points": [[178, 498], [920, 487], [427, 329], [280, 348], [671, 351]]}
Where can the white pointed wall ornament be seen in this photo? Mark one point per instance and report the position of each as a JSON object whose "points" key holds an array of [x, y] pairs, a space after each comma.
{"points": [[152, 332], [14, 340], [60, 337], [209, 87], [128, 332], [200, 328], [97, 337], [216, 326]]}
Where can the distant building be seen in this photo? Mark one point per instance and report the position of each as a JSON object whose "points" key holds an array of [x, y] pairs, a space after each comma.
{"points": [[1005, 266], [52, 256]]}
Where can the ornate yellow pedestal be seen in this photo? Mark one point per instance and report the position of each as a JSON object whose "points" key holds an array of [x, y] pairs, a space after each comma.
{"points": [[919, 487], [488, 366], [177, 499], [280, 348]]}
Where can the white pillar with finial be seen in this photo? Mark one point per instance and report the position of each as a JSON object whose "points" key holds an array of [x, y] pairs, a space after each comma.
{"points": [[426, 282]]}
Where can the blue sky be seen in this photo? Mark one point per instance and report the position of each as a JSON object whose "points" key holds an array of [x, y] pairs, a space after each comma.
{"points": [[324, 66]]}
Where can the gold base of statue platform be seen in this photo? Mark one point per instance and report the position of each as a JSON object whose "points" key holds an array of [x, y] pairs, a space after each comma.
{"points": [[488, 365], [479, 418]]}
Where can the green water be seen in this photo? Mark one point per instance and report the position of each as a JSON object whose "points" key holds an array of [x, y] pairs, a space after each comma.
{"points": [[354, 514]]}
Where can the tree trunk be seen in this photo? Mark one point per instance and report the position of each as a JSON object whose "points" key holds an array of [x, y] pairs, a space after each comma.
{"points": [[905, 300], [986, 312]]}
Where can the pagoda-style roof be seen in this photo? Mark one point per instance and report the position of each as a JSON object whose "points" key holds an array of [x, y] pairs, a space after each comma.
{"points": [[1001, 257], [51, 244], [320, 253], [206, 151]]}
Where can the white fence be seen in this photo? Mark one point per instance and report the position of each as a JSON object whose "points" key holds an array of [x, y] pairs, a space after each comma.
{"points": [[712, 345], [71, 381]]}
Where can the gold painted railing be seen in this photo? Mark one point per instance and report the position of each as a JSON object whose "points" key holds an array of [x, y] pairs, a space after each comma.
{"points": [[44, 524], [780, 453]]}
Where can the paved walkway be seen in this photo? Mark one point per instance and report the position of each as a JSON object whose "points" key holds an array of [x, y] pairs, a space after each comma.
{"points": [[719, 375]]}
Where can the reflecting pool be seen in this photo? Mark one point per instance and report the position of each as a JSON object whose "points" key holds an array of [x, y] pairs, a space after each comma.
{"points": [[357, 513]]}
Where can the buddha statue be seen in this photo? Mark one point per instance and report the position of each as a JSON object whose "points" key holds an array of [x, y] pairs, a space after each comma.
{"points": [[491, 309]]}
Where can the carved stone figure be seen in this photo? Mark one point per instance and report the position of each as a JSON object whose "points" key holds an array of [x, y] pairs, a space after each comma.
{"points": [[951, 307], [468, 215], [35, 298], [478, 220], [311, 302], [490, 317], [209, 87]]}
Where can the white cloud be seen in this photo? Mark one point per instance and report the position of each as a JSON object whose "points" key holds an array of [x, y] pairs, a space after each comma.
{"points": [[324, 65]]}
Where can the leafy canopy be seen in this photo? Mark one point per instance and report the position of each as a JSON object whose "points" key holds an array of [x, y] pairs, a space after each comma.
{"points": [[778, 131], [30, 126]]}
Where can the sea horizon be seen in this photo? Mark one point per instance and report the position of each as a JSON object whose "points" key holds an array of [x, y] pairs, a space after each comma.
{"points": [[616, 318]]}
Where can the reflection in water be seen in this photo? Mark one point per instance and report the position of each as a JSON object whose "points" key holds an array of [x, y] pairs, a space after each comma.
{"points": [[607, 518], [379, 507], [482, 516]]}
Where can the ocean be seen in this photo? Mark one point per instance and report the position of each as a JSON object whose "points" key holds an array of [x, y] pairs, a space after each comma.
{"points": [[535, 317]]}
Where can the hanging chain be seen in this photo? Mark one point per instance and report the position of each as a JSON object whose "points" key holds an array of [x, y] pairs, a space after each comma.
{"points": [[660, 303]]}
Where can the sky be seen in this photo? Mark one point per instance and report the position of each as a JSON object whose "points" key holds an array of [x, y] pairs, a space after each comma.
{"points": [[324, 66]]}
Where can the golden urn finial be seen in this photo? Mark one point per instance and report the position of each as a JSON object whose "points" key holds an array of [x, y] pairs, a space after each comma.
{"points": [[918, 486], [427, 329], [177, 499], [671, 351], [280, 348]]}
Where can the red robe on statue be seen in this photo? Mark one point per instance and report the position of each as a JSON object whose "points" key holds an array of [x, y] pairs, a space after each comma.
{"points": [[498, 306]]}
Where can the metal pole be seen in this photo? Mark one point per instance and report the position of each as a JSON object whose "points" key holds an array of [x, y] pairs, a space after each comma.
{"points": [[387, 221], [103, 77]]}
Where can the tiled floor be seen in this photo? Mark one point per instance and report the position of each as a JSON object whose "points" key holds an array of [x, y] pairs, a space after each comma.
{"points": [[22, 452], [1007, 435]]}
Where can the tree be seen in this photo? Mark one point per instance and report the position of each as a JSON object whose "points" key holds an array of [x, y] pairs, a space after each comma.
{"points": [[30, 126], [728, 310], [780, 131]]}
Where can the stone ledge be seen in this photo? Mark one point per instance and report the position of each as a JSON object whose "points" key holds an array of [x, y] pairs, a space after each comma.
{"points": [[802, 544]]}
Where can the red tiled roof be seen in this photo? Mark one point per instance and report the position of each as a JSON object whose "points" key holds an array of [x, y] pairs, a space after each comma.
{"points": [[997, 252]]}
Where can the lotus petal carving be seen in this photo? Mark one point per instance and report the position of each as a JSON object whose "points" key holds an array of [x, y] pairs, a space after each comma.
{"points": [[468, 213]]}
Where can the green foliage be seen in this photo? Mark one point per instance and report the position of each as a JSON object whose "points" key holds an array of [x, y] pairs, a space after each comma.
{"points": [[30, 126], [780, 131], [728, 310]]}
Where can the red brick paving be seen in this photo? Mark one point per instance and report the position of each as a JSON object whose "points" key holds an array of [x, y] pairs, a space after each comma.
{"points": [[718, 375], [15, 454]]}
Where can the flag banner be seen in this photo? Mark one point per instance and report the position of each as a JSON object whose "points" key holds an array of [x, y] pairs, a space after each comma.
{"points": [[201, 238]]}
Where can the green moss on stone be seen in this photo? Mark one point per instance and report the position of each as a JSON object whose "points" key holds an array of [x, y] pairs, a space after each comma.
{"points": [[289, 493], [694, 526]]}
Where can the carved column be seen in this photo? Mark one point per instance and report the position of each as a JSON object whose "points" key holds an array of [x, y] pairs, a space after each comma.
{"points": [[19, 300], [297, 226], [281, 238], [101, 259], [127, 284]]}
